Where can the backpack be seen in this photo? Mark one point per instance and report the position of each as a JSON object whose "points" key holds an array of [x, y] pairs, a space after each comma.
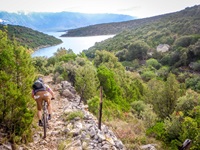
{"points": [[38, 86]]}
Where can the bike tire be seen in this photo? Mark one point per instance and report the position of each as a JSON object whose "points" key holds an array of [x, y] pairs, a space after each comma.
{"points": [[45, 124]]}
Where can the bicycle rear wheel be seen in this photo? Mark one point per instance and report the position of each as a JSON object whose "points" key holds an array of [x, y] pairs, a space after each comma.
{"points": [[45, 124]]}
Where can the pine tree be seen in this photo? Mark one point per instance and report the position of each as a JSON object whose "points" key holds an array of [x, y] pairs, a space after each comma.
{"points": [[16, 77], [172, 92], [164, 95]]}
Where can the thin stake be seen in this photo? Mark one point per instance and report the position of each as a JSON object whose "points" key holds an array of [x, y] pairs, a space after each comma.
{"points": [[100, 108]]}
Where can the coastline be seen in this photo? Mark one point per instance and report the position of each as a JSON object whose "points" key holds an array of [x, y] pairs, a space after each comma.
{"points": [[66, 35], [45, 46]]}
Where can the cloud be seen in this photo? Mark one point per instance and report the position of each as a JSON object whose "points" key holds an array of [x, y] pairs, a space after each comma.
{"points": [[137, 8], [129, 10]]}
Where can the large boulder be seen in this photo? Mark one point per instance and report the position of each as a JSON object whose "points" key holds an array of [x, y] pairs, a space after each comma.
{"points": [[66, 93]]}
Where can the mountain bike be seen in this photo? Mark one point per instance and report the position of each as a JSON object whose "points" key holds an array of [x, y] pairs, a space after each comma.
{"points": [[45, 117]]}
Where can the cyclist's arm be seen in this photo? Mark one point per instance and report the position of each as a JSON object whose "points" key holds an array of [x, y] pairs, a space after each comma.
{"points": [[50, 91]]}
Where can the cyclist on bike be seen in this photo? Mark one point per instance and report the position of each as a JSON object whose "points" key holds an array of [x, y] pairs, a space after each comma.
{"points": [[42, 92]]}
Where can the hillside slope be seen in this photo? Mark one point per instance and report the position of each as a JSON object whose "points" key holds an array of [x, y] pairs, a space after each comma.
{"points": [[187, 14], [178, 30], [30, 38]]}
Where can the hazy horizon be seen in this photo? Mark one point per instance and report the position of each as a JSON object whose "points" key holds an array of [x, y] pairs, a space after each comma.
{"points": [[139, 9]]}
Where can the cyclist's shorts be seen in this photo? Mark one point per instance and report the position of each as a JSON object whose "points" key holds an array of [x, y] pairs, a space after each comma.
{"points": [[40, 96]]}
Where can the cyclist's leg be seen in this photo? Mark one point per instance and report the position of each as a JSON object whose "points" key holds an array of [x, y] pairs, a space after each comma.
{"points": [[39, 107], [49, 107]]}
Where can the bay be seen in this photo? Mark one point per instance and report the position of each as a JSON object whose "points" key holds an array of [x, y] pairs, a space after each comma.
{"points": [[77, 44]]}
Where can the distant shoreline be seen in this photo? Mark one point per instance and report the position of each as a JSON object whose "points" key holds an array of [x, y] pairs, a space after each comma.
{"points": [[88, 35], [45, 46]]}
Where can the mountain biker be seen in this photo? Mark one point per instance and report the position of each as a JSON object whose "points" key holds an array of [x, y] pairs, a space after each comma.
{"points": [[40, 94]]}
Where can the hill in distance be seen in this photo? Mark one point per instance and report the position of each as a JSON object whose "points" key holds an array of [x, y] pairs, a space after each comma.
{"points": [[179, 31], [49, 21], [189, 13]]}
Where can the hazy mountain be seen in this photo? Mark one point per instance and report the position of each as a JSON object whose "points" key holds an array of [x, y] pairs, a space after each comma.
{"points": [[59, 21]]}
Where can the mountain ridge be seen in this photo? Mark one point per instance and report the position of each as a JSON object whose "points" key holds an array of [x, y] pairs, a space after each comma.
{"points": [[51, 21]]}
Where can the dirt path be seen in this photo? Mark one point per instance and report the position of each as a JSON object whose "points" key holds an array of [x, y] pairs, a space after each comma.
{"points": [[54, 137]]}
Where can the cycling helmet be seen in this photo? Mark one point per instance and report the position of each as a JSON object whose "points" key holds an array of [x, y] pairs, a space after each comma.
{"points": [[40, 79]]}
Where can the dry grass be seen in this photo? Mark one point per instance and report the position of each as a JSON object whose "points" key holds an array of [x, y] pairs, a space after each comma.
{"points": [[131, 132]]}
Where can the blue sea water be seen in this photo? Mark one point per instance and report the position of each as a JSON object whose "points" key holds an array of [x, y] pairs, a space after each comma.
{"points": [[77, 44]]}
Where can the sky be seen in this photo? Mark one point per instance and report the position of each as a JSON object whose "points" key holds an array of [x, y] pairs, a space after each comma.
{"points": [[136, 8]]}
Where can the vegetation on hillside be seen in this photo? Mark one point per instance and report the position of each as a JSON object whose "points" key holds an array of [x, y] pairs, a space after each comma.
{"points": [[147, 109], [180, 31], [16, 106], [157, 91], [29, 38]]}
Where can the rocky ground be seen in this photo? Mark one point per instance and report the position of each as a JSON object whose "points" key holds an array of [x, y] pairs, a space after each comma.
{"points": [[78, 133]]}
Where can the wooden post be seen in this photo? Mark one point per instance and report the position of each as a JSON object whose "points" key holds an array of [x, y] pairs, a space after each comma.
{"points": [[100, 108], [82, 92]]}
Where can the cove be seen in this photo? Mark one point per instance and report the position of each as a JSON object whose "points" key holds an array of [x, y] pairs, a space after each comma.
{"points": [[77, 44]]}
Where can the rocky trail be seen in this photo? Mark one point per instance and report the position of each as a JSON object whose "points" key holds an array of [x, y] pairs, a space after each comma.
{"points": [[76, 134], [72, 126]]}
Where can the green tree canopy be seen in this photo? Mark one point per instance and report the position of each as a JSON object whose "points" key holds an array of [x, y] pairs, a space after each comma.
{"points": [[86, 81], [137, 50]]}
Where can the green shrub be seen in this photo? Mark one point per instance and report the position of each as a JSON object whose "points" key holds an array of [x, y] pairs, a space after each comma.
{"points": [[157, 131], [149, 116], [153, 63], [138, 107], [93, 105], [148, 75], [74, 114]]}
